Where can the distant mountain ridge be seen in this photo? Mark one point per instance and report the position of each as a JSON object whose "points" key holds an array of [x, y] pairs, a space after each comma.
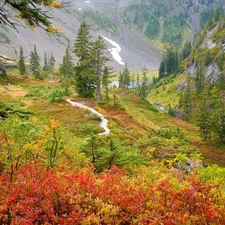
{"points": [[139, 27]]}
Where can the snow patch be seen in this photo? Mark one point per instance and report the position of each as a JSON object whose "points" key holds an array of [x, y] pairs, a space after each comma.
{"points": [[115, 51], [79, 8], [87, 1]]}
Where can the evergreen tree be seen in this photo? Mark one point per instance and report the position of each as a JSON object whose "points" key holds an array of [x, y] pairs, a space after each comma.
{"points": [[187, 101], [51, 61], [200, 78], [84, 75], [133, 83], [208, 57], [162, 70], [45, 67], [186, 51], [144, 86], [99, 60], [116, 153], [169, 63], [105, 83], [221, 81], [204, 121], [35, 63], [66, 68], [219, 124], [126, 77], [121, 80], [137, 90], [171, 111], [91, 148], [21, 62], [218, 13]]}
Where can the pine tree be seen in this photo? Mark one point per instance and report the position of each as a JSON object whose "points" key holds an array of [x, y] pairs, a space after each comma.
{"points": [[137, 90], [204, 120], [162, 69], [171, 111], [186, 51], [218, 13], [91, 148], [219, 124], [105, 83], [133, 83], [66, 68], [126, 76], [200, 78], [144, 86], [51, 61], [187, 101], [35, 63], [21, 62], [84, 75], [169, 63], [99, 60], [45, 67], [117, 153], [121, 80]]}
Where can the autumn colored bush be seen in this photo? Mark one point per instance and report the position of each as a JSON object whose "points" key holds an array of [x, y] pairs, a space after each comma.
{"points": [[44, 196]]}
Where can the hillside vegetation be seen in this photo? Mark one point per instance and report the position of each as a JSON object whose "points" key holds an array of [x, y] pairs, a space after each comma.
{"points": [[162, 161], [50, 155], [195, 91], [170, 22]]}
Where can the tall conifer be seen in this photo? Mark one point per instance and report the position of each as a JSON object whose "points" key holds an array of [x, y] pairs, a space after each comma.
{"points": [[105, 83], [204, 120], [51, 61], [187, 101], [35, 63], [126, 76], [84, 75], [66, 68], [21, 62], [219, 123], [144, 86], [99, 60], [200, 78], [45, 67]]}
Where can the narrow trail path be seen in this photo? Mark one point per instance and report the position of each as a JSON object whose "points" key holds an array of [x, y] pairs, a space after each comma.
{"points": [[103, 123]]}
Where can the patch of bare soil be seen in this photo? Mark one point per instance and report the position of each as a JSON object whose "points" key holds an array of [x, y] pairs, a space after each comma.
{"points": [[18, 94]]}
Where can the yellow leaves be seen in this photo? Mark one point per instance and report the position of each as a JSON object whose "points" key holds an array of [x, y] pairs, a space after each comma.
{"points": [[54, 124], [55, 4], [51, 3], [53, 30]]}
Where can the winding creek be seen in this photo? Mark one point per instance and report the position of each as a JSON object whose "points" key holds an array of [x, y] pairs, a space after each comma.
{"points": [[103, 123]]}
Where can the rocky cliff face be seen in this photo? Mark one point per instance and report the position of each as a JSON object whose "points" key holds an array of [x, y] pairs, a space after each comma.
{"points": [[210, 50]]}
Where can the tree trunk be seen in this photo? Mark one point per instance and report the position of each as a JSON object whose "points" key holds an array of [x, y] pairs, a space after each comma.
{"points": [[98, 88]]}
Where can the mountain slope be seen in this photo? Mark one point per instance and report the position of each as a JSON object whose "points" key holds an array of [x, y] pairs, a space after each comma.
{"points": [[139, 27], [207, 55], [68, 20]]}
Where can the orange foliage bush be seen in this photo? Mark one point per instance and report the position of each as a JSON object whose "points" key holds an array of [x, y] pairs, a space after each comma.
{"points": [[43, 196]]}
